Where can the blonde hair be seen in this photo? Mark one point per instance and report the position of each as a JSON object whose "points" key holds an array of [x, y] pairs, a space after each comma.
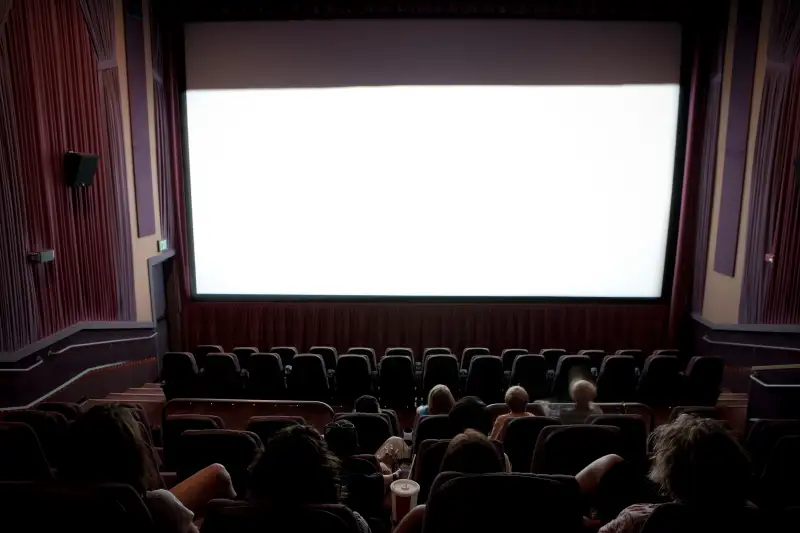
{"points": [[440, 400], [516, 399], [582, 392]]}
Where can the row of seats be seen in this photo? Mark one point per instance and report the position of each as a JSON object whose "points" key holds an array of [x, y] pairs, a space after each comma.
{"points": [[309, 377]]}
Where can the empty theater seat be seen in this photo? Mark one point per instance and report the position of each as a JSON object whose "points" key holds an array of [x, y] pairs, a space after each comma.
{"points": [[520, 439], [530, 372], [202, 351], [353, 377], [21, 455], [267, 380], [660, 381], [616, 381], [509, 355], [235, 450], [764, 435], [399, 350], [266, 426], [595, 357], [180, 375], [485, 378], [551, 356], [222, 377], [328, 354], [369, 353], [439, 369], [433, 427], [372, 428], [702, 380], [568, 449], [632, 435], [173, 427], [438, 350], [308, 379], [243, 354], [396, 382], [469, 353], [638, 355], [427, 465], [568, 369], [286, 353]]}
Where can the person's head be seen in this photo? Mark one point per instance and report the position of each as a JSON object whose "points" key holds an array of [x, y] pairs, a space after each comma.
{"points": [[471, 452], [367, 404], [582, 392], [470, 413], [440, 400], [106, 445], [697, 461], [342, 438], [296, 468], [517, 399]]}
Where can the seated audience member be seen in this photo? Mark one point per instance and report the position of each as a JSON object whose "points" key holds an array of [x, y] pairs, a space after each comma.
{"points": [[470, 452], [106, 445], [366, 404], [296, 469], [365, 492], [695, 462], [517, 401], [440, 401], [583, 394], [470, 413]]}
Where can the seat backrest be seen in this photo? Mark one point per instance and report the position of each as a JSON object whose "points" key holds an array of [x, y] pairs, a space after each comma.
{"points": [[178, 366], [21, 454], [632, 434], [764, 435], [567, 449], [396, 382], [50, 428], [638, 355], [437, 350], [353, 378], [308, 379], [509, 355], [703, 379], [369, 352], [617, 379], [595, 357], [672, 517], [670, 351], [203, 350], [222, 369], [520, 439], [266, 426], [173, 427], [427, 464], [485, 378], [286, 353], [267, 379], [225, 516], [778, 485], [439, 369], [243, 354], [399, 350], [328, 354], [71, 411], [433, 427], [659, 382], [530, 372], [569, 368], [702, 411], [233, 449], [87, 508], [500, 502], [469, 353], [372, 428], [551, 356]]}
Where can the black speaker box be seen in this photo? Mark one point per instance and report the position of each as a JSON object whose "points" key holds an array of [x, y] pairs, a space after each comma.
{"points": [[79, 168]]}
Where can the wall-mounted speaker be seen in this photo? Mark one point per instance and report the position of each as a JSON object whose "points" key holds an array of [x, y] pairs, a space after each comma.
{"points": [[79, 168]]}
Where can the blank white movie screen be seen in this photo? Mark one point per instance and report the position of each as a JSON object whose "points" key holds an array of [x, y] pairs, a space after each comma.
{"points": [[326, 165]]}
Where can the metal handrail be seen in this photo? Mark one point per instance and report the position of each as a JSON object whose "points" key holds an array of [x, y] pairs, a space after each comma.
{"points": [[743, 345]]}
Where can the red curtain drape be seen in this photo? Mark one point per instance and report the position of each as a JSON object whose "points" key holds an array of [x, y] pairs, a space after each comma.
{"points": [[54, 103], [771, 291]]}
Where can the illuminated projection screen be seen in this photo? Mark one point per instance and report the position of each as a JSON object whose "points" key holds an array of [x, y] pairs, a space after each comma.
{"points": [[432, 158]]}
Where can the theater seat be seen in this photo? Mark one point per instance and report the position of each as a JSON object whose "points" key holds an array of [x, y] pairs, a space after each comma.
{"points": [[438, 350], [676, 517], [267, 380], [485, 378], [551, 356], [427, 463], [778, 487], [222, 377], [595, 357], [353, 378], [530, 372], [568, 449], [520, 439], [286, 353], [568, 369], [702, 380], [308, 379], [439, 370], [632, 435], [202, 351], [372, 429], [702, 411], [235, 450], [468, 354], [50, 429], [397, 388], [509, 355], [328, 354], [173, 427], [764, 435], [21, 455], [368, 352], [180, 375], [432, 427], [399, 350], [266, 426], [225, 516], [638, 356], [71, 411], [242, 354], [660, 381], [616, 381]]}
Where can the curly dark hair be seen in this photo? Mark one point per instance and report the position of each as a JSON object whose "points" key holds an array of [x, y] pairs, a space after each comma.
{"points": [[106, 445], [697, 461], [296, 468]]}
